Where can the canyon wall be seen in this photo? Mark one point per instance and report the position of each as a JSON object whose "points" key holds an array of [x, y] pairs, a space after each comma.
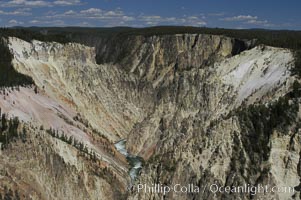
{"points": [[199, 109]]}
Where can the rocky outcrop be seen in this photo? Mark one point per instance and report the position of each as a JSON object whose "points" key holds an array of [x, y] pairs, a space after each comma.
{"points": [[39, 166], [200, 109], [69, 74], [151, 57], [197, 136]]}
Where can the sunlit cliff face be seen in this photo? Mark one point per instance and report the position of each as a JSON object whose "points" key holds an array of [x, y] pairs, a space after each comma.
{"points": [[176, 99]]}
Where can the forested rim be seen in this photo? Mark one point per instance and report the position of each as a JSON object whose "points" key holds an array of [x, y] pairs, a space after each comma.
{"points": [[9, 77]]}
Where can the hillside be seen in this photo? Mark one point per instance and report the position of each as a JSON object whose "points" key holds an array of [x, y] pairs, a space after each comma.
{"points": [[196, 105]]}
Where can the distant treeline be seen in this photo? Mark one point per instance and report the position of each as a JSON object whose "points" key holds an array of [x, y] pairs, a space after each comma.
{"points": [[9, 77], [276, 38], [28, 35]]}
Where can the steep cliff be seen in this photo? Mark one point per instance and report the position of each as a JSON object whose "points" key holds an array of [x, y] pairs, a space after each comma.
{"points": [[39, 166], [200, 109]]}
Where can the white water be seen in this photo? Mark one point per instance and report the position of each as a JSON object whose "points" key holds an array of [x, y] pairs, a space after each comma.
{"points": [[120, 146], [134, 161]]}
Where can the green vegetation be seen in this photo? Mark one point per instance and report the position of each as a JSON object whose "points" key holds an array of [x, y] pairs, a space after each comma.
{"points": [[117, 35], [104, 172], [8, 75], [258, 122], [276, 38], [297, 69], [87, 125], [8, 194], [29, 35], [74, 142], [9, 130]]}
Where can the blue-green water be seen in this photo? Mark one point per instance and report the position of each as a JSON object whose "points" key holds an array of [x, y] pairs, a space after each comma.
{"points": [[135, 162]]}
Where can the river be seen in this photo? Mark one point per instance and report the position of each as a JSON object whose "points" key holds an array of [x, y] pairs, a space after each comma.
{"points": [[135, 162]]}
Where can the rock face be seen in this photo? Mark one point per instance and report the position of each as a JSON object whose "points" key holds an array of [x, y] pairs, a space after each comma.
{"points": [[43, 167], [69, 73], [200, 109]]}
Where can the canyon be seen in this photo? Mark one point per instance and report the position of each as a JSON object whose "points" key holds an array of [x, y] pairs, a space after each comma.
{"points": [[197, 109]]}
